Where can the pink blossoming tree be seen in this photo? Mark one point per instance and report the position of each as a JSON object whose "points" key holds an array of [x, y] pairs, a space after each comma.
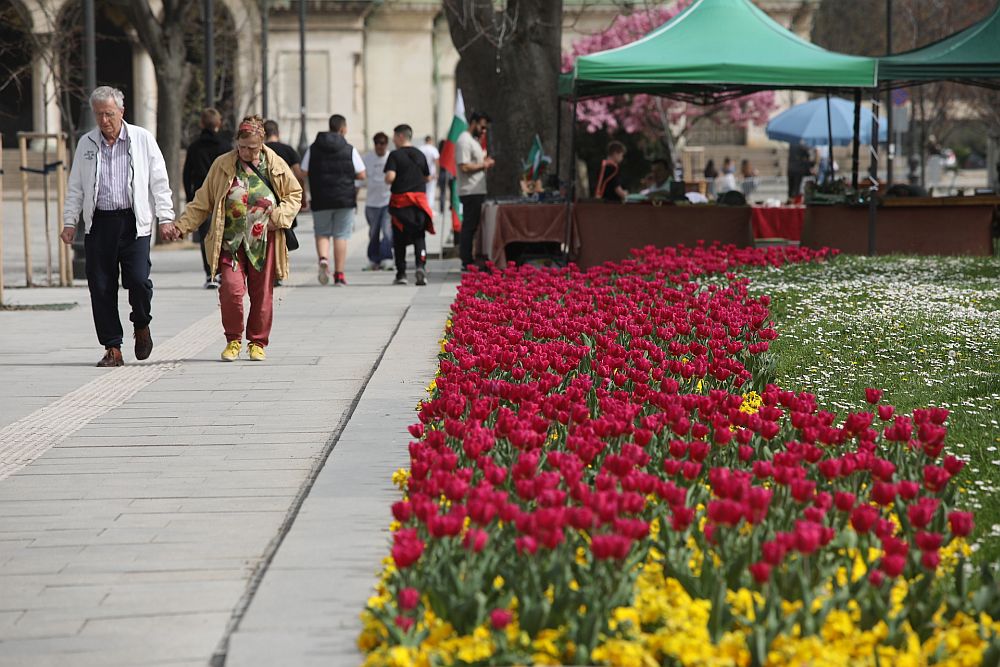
{"points": [[656, 119]]}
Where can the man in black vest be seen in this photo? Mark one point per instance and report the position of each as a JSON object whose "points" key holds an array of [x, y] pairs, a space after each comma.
{"points": [[202, 152], [332, 166]]}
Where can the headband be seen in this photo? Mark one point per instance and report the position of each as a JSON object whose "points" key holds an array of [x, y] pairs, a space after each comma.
{"points": [[252, 127]]}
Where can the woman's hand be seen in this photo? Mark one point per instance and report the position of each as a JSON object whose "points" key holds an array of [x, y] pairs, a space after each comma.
{"points": [[273, 223]]}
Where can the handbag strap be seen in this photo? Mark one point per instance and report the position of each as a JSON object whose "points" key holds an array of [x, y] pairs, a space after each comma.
{"points": [[265, 179]]}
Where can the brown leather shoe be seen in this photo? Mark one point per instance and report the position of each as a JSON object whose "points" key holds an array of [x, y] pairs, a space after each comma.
{"points": [[143, 343], [112, 358]]}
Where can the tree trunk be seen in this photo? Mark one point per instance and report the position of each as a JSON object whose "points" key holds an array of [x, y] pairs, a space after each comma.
{"points": [[171, 77], [163, 36], [512, 75]]}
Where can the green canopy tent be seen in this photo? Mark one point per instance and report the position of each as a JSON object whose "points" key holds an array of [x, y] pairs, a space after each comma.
{"points": [[715, 50], [971, 56]]}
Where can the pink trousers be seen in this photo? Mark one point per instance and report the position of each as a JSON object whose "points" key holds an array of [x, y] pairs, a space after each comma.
{"points": [[238, 277]]}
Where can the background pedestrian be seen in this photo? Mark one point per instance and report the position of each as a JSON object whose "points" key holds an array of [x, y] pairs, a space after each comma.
{"points": [[377, 203], [407, 172], [473, 163], [201, 153], [332, 166]]}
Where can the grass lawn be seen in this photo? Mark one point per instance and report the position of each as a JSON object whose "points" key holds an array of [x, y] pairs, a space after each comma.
{"points": [[924, 329]]}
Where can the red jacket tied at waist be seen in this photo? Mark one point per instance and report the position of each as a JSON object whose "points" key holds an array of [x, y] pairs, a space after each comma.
{"points": [[400, 206]]}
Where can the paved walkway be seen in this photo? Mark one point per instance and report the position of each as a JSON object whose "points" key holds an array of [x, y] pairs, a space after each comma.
{"points": [[184, 511]]}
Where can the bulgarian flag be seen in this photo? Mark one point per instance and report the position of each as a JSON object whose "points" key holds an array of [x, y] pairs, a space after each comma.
{"points": [[447, 162]]}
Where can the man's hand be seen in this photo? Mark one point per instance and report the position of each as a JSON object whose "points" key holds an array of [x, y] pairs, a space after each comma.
{"points": [[169, 231], [488, 163], [67, 235]]}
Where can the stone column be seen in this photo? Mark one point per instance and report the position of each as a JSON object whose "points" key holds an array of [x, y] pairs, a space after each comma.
{"points": [[143, 104], [44, 98]]}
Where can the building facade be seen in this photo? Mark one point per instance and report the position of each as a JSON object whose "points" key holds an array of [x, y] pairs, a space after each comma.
{"points": [[377, 62]]}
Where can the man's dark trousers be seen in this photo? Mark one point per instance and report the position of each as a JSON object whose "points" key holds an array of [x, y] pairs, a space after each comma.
{"points": [[402, 238], [472, 207], [111, 243]]}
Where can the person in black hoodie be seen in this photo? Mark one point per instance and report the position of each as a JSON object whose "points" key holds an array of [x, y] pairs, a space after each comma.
{"points": [[332, 166], [202, 152]]}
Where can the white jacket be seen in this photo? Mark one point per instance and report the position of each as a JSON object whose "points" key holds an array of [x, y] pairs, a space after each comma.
{"points": [[149, 187]]}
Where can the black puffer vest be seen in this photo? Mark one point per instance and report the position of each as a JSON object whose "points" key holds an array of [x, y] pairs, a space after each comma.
{"points": [[331, 172]]}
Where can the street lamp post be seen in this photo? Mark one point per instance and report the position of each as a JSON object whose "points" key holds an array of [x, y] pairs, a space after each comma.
{"points": [[209, 20], [264, 56], [303, 137], [89, 64], [890, 157]]}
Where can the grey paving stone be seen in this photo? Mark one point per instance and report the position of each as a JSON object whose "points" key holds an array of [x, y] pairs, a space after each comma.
{"points": [[132, 541]]}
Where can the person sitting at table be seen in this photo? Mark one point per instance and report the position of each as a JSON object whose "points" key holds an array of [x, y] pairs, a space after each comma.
{"points": [[659, 180], [748, 184], [711, 173], [609, 186], [727, 179]]}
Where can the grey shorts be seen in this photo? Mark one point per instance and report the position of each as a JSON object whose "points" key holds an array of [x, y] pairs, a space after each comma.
{"points": [[335, 222]]}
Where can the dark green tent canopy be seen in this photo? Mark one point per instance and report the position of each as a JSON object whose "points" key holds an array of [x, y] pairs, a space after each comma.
{"points": [[970, 56], [716, 49]]}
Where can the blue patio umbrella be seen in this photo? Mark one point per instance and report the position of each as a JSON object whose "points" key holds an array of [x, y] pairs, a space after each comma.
{"points": [[807, 123]]}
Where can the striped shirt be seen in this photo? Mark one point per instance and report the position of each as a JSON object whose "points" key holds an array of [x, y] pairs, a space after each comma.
{"points": [[113, 181]]}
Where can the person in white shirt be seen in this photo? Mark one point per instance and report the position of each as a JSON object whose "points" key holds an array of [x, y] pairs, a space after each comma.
{"points": [[377, 204], [430, 152], [473, 163], [119, 186]]}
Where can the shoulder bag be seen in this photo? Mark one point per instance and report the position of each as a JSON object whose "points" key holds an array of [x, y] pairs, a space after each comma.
{"points": [[291, 240]]}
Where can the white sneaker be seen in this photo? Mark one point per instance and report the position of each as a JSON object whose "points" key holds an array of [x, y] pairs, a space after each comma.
{"points": [[400, 280], [421, 277], [211, 283], [324, 272]]}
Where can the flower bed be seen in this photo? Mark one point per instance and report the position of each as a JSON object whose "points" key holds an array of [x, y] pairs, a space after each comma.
{"points": [[603, 475]]}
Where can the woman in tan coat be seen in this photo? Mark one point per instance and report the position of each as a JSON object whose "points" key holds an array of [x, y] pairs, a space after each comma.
{"points": [[252, 197]]}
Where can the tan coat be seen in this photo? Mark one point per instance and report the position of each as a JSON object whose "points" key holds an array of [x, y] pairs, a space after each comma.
{"points": [[211, 199]]}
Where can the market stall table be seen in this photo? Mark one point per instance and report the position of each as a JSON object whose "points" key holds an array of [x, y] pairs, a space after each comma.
{"points": [[607, 232], [778, 222], [504, 223], [909, 225]]}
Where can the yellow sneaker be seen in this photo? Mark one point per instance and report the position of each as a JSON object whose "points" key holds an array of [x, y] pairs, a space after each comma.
{"points": [[256, 352], [232, 351]]}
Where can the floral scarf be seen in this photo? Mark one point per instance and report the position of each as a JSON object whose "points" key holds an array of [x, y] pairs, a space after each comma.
{"points": [[248, 207]]}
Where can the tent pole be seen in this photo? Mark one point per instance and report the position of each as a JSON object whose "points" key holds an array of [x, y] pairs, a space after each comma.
{"points": [[873, 176], [571, 189], [856, 141], [829, 139], [559, 106]]}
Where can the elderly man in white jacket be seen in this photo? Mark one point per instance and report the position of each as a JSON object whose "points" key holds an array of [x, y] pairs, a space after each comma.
{"points": [[119, 184]]}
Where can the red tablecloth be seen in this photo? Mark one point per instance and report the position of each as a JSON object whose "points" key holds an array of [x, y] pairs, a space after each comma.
{"points": [[778, 222]]}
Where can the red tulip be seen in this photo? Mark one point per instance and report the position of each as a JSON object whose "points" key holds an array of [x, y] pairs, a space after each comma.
{"points": [[863, 517], [927, 541], [961, 523], [883, 493], [761, 572], [844, 501], [893, 565], [772, 552], [930, 560], [500, 618], [873, 396], [408, 599], [922, 512], [935, 478]]}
